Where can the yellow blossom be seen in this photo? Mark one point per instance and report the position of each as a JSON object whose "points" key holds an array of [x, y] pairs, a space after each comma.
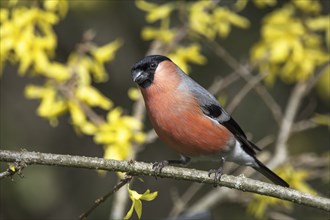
{"points": [[309, 6], [183, 55], [88, 128], [107, 52], [320, 23], [137, 203], [145, 6], [225, 19], [322, 119], [162, 34], [60, 6], [117, 151], [12, 167], [200, 20], [98, 71], [57, 71], [35, 92], [296, 179], [155, 12], [160, 12], [93, 97], [4, 15], [264, 3], [322, 85], [288, 48], [134, 93], [240, 4], [19, 39], [77, 115], [118, 134], [81, 67], [51, 106]]}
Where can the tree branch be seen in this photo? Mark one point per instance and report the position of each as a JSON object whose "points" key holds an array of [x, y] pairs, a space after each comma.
{"points": [[145, 169], [98, 201]]}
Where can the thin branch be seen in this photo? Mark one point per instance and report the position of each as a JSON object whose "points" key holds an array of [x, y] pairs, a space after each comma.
{"points": [[221, 83], [17, 167], [303, 125], [285, 130], [98, 201], [209, 200], [145, 169], [245, 73], [182, 201], [244, 91]]}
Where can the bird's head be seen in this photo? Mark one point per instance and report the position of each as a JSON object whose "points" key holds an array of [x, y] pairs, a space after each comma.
{"points": [[143, 71]]}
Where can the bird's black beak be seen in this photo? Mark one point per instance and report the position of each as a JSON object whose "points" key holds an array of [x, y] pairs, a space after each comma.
{"points": [[139, 76]]}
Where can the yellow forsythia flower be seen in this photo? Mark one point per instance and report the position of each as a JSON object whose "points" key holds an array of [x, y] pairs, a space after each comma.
{"points": [[289, 48], [93, 97], [137, 203], [296, 179], [183, 55], [118, 134], [155, 12], [264, 3], [134, 93]]}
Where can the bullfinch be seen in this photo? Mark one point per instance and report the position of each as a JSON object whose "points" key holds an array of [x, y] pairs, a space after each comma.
{"points": [[190, 120]]}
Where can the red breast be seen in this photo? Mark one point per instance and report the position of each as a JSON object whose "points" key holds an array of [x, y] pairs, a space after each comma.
{"points": [[177, 118]]}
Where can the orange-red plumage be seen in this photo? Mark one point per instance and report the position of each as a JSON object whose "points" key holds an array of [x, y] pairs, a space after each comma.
{"points": [[190, 120], [177, 117]]}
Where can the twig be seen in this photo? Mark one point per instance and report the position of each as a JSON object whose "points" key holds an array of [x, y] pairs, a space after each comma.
{"points": [[244, 91], [285, 130], [209, 200], [244, 72], [303, 125], [145, 169], [67, 89], [184, 199], [18, 166], [221, 83], [286, 124], [98, 201]]}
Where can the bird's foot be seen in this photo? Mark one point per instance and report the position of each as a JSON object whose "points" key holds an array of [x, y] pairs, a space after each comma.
{"points": [[158, 166], [217, 175]]}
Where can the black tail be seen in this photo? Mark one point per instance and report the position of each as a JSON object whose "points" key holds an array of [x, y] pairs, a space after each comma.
{"points": [[270, 174]]}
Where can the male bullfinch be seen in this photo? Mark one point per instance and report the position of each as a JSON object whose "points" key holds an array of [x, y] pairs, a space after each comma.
{"points": [[190, 120]]}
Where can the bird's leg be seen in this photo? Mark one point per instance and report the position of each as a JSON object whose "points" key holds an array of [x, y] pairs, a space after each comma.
{"points": [[158, 166], [218, 172]]}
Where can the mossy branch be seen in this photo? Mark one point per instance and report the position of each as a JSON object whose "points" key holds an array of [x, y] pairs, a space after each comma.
{"points": [[135, 168]]}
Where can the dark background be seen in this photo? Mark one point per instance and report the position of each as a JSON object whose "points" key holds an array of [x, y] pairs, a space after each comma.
{"points": [[64, 193]]}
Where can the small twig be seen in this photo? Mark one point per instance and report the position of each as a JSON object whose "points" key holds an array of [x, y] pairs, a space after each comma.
{"points": [[221, 83], [285, 130], [209, 200], [303, 125], [244, 72], [68, 88], [100, 200], [184, 199], [18, 166], [244, 91]]}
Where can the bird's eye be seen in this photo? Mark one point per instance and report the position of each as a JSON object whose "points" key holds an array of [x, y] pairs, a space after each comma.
{"points": [[153, 65]]}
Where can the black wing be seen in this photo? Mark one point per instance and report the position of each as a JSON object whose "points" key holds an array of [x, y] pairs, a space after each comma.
{"points": [[215, 112], [211, 107]]}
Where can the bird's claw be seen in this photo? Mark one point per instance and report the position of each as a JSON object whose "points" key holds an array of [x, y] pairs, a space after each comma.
{"points": [[217, 175], [158, 166]]}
